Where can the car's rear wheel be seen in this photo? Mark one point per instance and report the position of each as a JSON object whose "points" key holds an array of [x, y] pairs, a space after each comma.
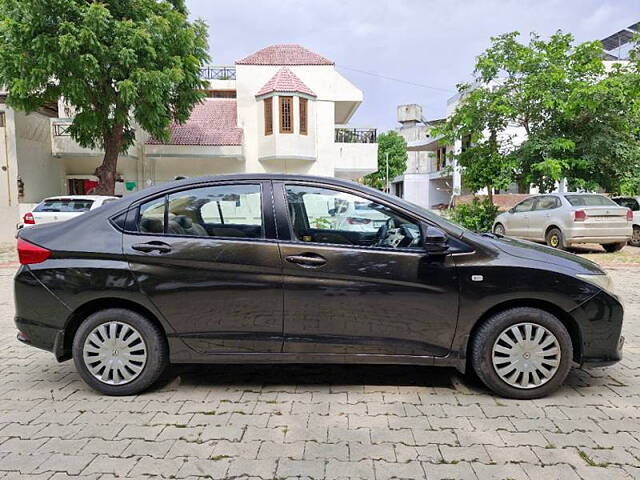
{"points": [[555, 239], [614, 247], [499, 229], [635, 238], [522, 353], [119, 352]]}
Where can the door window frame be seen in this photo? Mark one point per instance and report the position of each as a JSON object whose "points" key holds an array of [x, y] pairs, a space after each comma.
{"points": [[131, 224], [285, 226]]}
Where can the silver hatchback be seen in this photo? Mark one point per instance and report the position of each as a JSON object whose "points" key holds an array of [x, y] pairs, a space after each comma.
{"points": [[562, 220]]}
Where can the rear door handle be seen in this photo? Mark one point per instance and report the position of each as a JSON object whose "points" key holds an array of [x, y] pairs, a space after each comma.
{"points": [[307, 260], [152, 246]]}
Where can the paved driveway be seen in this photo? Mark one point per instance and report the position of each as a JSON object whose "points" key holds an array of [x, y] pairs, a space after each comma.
{"points": [[316, 421]]}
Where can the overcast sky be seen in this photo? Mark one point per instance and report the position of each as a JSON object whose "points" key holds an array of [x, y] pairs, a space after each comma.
{"points": [[426, 42]]}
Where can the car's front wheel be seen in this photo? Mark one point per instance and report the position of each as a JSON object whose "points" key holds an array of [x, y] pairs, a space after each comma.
{"points": [[119, 352], [635, 238], [522, 353], [499, 229]]}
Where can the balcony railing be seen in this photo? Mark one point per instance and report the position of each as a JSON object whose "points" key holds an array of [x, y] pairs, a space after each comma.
{"points": [[61, 129], [356, 135], [218, 73]]}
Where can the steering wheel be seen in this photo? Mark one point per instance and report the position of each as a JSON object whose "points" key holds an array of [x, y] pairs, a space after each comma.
{"points": [[383, 232]]}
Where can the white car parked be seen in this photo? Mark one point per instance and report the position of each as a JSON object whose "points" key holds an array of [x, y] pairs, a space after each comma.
{"points": [[633, 203], [562, 220], [59, 209]]}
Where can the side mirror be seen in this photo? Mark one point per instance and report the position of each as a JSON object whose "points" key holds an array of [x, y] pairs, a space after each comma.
{"points": [[434, 240]]}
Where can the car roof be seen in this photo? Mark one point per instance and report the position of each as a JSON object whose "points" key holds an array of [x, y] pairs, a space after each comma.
{"points": [[78, 197]]}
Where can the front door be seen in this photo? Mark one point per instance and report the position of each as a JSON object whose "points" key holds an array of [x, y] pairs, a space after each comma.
{"points": [[517, 222], [357, 279], [208, 260]]}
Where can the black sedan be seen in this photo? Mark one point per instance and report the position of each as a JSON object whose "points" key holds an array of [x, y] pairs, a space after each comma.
{"points": [[297, 269]]}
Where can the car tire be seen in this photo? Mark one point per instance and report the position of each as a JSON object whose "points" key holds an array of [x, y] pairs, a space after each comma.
{"points": [[136, 352], [492, 367], [555, 239], [635, 239], [614, 247], [499, 229]]}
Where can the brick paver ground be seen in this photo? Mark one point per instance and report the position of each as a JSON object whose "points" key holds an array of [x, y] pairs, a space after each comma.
{"points": [[316, 421]]}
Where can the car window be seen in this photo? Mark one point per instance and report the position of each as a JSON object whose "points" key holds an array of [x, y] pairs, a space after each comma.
{"points": [[547, 203], [323, 215], [524, 206], [219, 211], [66, 205], [631, 203], [590, 201]]}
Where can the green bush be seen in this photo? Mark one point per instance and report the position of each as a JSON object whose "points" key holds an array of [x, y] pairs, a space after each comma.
{"points": [[477, 216]]}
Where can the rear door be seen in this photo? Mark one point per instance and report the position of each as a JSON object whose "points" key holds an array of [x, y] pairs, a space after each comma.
{"points": [[207, 257], [355, 290]]}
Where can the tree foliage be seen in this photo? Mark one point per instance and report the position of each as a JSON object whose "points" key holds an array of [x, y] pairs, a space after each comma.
{"points": [[118, 63], [547, 110], [395, 146]]}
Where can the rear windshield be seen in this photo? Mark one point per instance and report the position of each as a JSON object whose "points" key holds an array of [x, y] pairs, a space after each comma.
{"points": [[64, 205], [590, 201]]}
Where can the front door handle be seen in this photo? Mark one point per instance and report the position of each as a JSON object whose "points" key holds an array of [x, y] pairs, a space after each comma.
{"points": [[307, 260], [160, 247]]}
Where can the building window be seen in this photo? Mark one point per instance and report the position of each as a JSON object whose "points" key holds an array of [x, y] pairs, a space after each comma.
{"points": [[221, 93], [286, 114], [3, 120], [303, 116], [268, 116]]}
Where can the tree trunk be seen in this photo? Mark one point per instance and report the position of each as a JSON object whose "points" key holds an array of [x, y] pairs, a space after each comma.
{"points": [[106, 172], [490, 193]]}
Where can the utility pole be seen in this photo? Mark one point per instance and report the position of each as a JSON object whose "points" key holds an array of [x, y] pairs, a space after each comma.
{"points": [[387, 175]]}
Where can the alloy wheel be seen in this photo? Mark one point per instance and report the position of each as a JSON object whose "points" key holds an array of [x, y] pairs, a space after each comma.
{"points": [[115, 353], [526, 355]]}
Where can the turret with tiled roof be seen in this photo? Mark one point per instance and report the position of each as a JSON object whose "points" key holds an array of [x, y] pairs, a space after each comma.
{"points": [[285, 54]]}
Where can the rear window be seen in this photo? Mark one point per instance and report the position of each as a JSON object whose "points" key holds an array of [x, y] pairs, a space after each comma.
{"points": [[64, 205], [590, 201]]}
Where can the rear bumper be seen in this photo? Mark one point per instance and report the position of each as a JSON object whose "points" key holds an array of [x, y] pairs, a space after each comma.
{"points": [[590, 234], [41, 336], [603, 239]]}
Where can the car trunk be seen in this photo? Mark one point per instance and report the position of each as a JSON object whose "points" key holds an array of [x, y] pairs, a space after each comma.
{"points": [[605, 217]]}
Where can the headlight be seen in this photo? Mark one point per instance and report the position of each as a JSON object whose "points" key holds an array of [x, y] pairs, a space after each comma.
{"points": [[603, 281]]}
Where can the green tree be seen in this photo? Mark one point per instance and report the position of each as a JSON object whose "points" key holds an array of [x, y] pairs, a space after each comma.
{"points": [[118, 62], [393, 145], [576, 119]]}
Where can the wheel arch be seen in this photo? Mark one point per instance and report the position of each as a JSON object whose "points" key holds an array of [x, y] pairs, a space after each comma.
{"points": [[93, 306], [567, 320], [549, 228]]}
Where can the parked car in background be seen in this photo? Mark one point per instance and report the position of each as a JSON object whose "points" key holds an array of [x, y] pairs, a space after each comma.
{"points": [[633, 204], [59, 209], [562, 220], [236, 269]]}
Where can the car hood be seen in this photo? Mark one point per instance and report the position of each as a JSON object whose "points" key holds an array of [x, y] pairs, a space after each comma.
{"points": [[537, 253]]}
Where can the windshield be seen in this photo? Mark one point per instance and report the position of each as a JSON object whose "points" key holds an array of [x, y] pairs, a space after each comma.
{"points": [[64, 205], [590, 201]]}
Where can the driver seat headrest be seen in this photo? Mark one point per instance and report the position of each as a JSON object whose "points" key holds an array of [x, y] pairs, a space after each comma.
{"points": [[183, 221]]}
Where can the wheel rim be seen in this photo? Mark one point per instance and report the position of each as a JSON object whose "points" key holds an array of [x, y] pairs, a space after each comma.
{"points": [[526, 355], [499, 230], [554, 240], [114, 353]]}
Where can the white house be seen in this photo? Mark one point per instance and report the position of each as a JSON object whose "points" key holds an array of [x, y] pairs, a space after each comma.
{"points": [[280, 109]]}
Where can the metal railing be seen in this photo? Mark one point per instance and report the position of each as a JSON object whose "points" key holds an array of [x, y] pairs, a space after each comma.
{"points": [[218, 73], [356, 135], [61, 129]]}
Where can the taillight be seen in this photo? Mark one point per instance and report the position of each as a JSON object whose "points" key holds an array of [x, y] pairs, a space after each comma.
{"points": [[629, 215], [28, 253], [28, 219], [580, 215]]}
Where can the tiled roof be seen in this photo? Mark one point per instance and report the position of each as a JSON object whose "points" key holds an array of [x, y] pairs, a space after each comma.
{"points": [[285, 54], [285, 81], [212, 123]]}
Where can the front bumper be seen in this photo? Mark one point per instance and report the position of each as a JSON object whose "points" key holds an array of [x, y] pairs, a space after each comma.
{"points": [[606, 361]]}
